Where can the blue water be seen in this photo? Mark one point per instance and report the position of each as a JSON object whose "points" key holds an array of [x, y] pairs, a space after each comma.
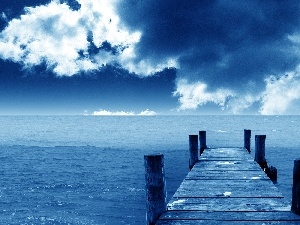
{"points": [[89, 170]]}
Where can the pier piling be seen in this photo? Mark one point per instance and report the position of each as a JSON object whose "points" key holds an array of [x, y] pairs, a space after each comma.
{"points": [[155, 187], [296, 188], [271, 171], [224, 186], [202, 140], [193, 146], [247, 140], [260, 151], [260, 157]]}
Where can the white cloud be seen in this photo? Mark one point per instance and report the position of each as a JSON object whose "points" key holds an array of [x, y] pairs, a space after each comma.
{"points": [[108, 113], [147, 112], [295, 38], [281, 96], [280, 93], [239, 103], [193, 95], [102, 112], [55, 34], [3, 16]]}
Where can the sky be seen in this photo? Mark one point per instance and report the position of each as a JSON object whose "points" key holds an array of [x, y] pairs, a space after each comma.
{"points": [[134, 57]]}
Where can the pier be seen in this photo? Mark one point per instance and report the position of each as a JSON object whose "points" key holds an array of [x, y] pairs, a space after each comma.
{"points": [[224, 186]]}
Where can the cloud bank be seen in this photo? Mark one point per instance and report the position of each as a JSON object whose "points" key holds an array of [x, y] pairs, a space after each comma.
{"points": [[193, 95], [72, 41], [102, 112], [226, 50], [280, 94]]}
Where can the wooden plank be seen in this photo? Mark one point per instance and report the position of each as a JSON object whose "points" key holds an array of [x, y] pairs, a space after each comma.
{"points": [[226, 175], [225, 153], [238, 188], [229, 204], [227, 165], [225, 150], [237, 183], [227, 192], [226, 186], [223, 159], [230, 216], [212, 222]]}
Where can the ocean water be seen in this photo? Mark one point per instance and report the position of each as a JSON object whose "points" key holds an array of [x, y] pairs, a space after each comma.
{"points": [[89, 170]]}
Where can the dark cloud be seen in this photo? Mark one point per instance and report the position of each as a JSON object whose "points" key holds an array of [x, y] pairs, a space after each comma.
{"points": [[218, 42]]}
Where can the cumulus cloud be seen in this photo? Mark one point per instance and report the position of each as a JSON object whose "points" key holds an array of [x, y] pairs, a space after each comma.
{"points": [[102, 112], [240, 104], [193, 95], [280, 93], [227, 41], [147, 112], [72, 41], [109, 113], [224, 48], [223, 51]]}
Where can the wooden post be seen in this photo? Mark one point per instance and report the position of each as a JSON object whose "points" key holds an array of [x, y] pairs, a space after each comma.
{"points": [[202, 139], [156, 193], [193, 143], [260, 151], [272, 173], [296, 188], [260, 158], [247, 140]]}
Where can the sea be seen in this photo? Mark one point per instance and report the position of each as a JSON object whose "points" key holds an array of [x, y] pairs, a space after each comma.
{"points": [[90, 169]]}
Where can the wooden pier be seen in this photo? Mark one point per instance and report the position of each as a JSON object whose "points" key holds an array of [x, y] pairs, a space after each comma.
{"points": [[226, 186]]}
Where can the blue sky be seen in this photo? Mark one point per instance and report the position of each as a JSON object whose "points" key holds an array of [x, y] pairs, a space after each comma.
{"points": [[130, 56]]}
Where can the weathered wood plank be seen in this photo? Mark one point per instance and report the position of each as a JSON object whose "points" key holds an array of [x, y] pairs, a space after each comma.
{"points": [[227, 192], [237, 183], [226, 165], [212, 222], [223, 159], [225, 150], [226, 186], [230, 216], [229, 204], [226, 175], [236, 188], [225, 153]]}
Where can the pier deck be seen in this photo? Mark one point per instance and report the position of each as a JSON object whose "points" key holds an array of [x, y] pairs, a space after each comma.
{"points": [[227, 186]]}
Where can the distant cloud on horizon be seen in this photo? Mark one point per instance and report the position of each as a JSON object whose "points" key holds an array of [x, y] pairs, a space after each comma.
{"points": [[102, 112], [147, 112]]}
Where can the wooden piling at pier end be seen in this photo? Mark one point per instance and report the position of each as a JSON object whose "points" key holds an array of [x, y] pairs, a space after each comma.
{"points": [[260, 158], [296, 187], [156, 192], [247, 140], [225, 186], [193, 144], [202, 139]]}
